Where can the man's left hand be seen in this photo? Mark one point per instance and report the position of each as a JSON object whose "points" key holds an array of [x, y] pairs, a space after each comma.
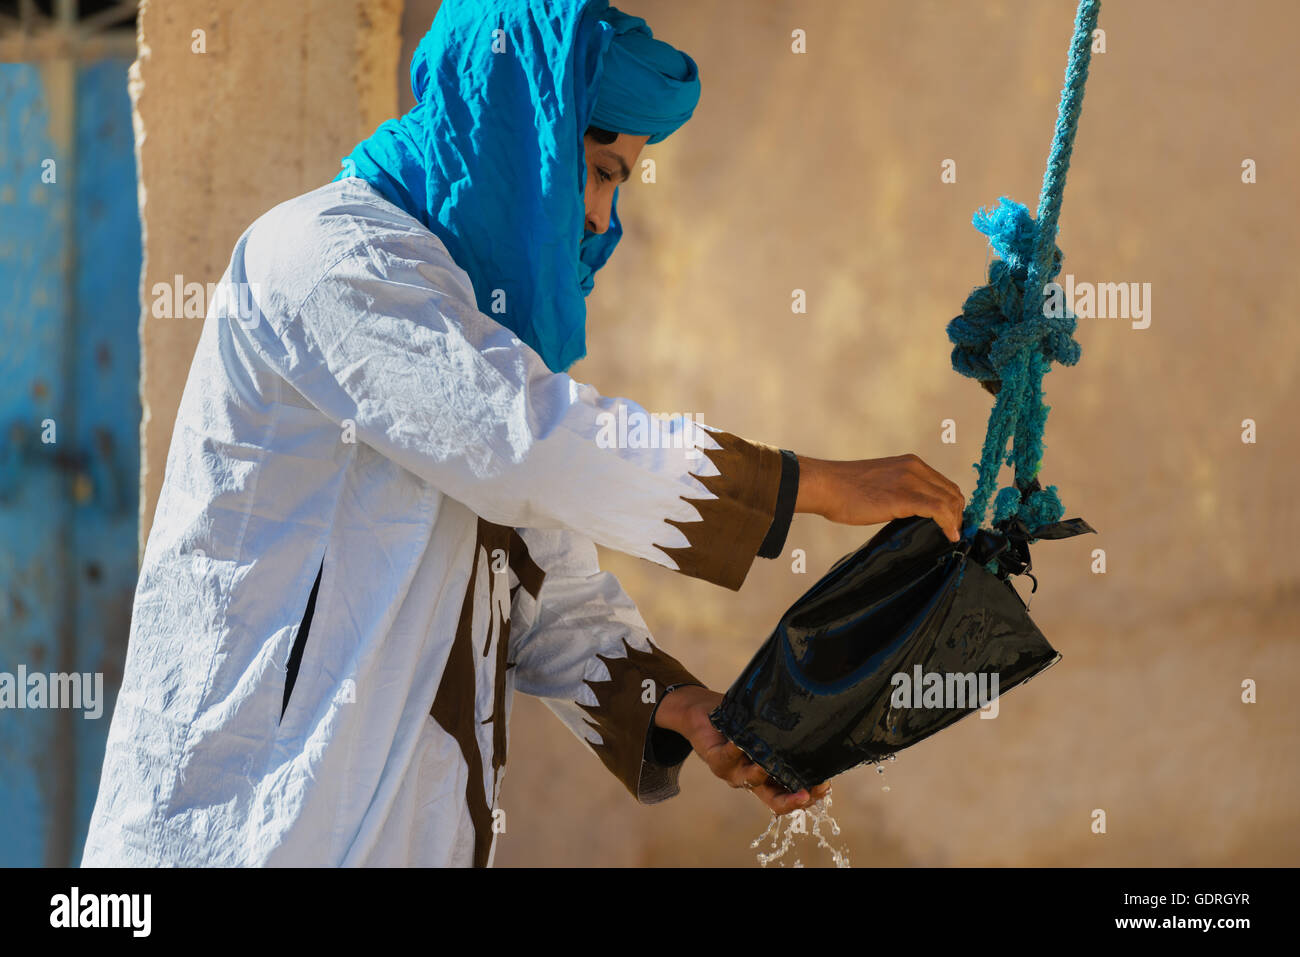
{"points": [[686, 711]]}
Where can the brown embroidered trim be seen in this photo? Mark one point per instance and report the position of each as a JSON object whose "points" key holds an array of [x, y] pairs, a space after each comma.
{"points": [[621, 715], [454, 704], [724, 543], [529, 577], [528, 572]]}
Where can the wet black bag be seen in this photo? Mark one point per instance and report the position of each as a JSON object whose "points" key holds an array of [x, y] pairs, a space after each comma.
{"points": [[819, 697], [830, 688]]}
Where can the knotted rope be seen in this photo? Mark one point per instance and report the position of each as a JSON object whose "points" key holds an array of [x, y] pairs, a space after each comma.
{"points": [[1003, 335]]}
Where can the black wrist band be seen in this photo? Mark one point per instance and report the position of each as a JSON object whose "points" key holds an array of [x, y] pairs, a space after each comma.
{"points": [[786, 495]]}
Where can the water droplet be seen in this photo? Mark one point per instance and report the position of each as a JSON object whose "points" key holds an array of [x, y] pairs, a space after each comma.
{"points": [[885, 788]]}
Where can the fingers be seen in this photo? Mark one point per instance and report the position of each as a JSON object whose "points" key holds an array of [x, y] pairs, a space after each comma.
{"points": [[779, 799], [937, 497], [749, 776], [951, 487], [735, 767], [934, 476], [940, 506], [754, 776]]}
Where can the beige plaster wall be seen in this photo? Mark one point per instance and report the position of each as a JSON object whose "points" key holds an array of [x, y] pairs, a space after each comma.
{"points": [[280, 93]]}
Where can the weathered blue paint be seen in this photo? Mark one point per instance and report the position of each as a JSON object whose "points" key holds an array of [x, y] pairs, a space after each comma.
{"points": [[69, 355], [108, 393]]}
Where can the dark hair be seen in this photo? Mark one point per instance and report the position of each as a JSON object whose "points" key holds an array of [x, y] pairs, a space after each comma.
{"points": [[603, 137]]}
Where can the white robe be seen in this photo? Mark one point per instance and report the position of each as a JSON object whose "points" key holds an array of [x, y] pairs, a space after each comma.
{"points": [[365, 422]]}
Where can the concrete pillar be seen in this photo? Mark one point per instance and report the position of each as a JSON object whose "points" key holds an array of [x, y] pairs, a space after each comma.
{"points": [[237, 107]]}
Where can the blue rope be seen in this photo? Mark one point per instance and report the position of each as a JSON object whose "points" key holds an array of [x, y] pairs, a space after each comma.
{"points": [[1002, 334]]}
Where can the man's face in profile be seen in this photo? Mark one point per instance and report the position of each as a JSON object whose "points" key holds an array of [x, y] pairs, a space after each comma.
{"points": [[608, 166]]}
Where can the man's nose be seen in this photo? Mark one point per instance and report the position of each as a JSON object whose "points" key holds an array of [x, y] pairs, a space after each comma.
{"points": [[597, 222]]}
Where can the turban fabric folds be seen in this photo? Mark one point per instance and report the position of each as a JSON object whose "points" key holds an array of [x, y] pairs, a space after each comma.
{"points": [[491, 158]]}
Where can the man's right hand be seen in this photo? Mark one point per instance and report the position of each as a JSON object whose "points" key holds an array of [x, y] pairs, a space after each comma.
{"points": [[871, 491]]}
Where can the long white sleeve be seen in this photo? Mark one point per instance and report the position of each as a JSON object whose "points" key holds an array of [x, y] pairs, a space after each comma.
{"points": [[589, 655], [388, 341]]}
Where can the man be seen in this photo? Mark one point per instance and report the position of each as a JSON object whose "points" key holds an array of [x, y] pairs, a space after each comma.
{"points": [[383, 494]]}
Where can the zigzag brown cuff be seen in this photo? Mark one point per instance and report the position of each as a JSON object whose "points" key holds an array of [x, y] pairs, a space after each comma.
{"points": [[622, 717], [731, 529]]}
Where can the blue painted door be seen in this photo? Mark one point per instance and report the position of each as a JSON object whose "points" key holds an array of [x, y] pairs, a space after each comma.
{"points": [[69, 441]]}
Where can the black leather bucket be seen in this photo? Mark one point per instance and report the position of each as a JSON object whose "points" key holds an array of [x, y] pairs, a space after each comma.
{"points": [[822, 696]]}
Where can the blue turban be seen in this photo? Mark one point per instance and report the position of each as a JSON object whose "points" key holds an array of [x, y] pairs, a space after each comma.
{"points": [[491, 158]]}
